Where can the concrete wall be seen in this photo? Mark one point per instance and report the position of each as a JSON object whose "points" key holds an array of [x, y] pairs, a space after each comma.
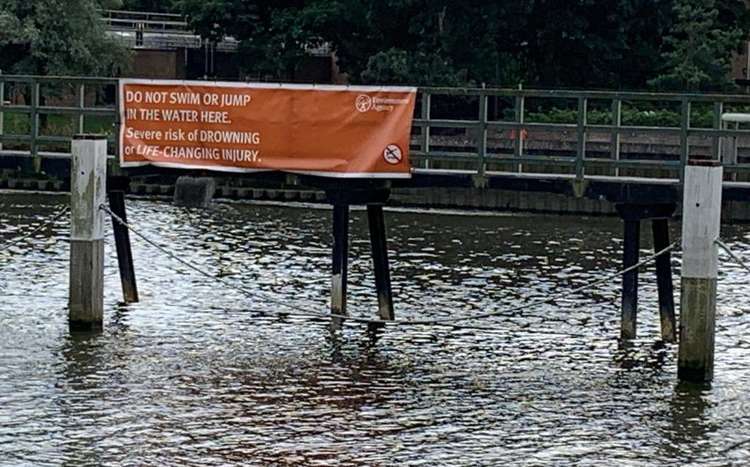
{"points": [[158, 64]]}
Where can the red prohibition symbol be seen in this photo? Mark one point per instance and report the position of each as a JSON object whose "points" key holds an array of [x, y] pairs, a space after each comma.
{"points": [[393, 154]]}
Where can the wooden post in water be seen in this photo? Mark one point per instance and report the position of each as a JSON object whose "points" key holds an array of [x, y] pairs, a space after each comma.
{"points": [[631, 246], [701, 224], [87, 192], [116, 194], [340, 261], [379, 243], [660, 229]]}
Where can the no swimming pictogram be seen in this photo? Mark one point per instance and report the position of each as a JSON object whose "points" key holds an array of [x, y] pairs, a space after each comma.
{"points": [[392, 154]]}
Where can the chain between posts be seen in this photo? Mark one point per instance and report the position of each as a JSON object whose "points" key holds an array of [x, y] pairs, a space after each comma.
{"points": [[448, 322], [26, 235], [734, 256]]}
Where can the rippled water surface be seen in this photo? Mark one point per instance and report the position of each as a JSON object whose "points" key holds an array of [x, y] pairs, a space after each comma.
{"points": [[198, 373]]}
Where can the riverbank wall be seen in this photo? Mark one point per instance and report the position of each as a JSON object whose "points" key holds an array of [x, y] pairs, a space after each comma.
{"points": [[276, 189]]}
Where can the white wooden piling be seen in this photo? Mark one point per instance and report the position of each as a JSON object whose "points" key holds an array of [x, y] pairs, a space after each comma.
{"points": [[701, 223], [87, 192]]}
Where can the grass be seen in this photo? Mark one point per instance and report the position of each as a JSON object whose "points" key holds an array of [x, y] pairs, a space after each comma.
{"points": [[54, 125]]}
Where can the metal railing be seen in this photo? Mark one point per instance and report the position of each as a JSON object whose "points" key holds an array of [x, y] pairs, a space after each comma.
{"points": [[26, 102], [454, 128], [117, 20], [164, 31], [684, 139]]}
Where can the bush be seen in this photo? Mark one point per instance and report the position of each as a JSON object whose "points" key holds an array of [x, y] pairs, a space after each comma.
{"points": [[630, 117]]}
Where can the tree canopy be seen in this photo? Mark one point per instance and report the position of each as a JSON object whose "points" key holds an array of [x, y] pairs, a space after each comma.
{"points": [[694, 57], [621, 44], [57, 37]]}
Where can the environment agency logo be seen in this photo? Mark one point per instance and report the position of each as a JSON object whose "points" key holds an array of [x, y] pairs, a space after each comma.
{"points": [[363, 103], [366, 103]]}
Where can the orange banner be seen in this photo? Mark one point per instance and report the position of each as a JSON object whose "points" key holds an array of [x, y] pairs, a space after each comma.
{"points": [[333, 131]]}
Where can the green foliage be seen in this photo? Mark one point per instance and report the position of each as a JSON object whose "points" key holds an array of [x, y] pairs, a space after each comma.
{"points": [[158, 6], [698, 50], [274, 35], [583, 43], [57, 37], [411, 67], [630, 117]]}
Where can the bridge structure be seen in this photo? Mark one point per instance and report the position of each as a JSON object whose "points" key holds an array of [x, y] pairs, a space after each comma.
{"points": [[157, 30], [464, 137], [479, 138]]}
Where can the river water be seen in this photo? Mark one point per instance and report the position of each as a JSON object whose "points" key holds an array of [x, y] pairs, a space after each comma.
{"points": [[198, 373]]}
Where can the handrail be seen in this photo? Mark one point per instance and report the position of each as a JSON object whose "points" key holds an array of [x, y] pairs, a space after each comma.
{"points": [[139, 14]]}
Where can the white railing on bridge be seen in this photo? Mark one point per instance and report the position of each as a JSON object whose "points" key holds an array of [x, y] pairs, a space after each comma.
{"points": [[164, 31]]}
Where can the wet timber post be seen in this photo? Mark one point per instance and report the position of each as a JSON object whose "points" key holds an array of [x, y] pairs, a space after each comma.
{"points": [[632, 215], [116, 187], [340, 261], [660, 230], [376, 221], [87, 192], [701, 224], [632, 240], [374, 197]]}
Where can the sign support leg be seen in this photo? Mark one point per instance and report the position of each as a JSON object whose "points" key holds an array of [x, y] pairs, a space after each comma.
{"points": [[630, 280], [116, 195], [660, 229], [340, 261], [376, 220]]}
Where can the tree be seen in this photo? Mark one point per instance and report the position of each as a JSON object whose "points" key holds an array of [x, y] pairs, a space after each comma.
{"points": [[272, 34], [424, 42], [699, 47], [57, 37], [552, 43], [158, 6]]}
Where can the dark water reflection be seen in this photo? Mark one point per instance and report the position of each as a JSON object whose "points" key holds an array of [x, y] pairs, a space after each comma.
{"points": [[196, 374]]}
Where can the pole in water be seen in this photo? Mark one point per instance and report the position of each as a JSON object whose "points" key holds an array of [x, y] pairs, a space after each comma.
{"points": [[116, 194], [701, 224], [376, 220], [628, 326], [87, 192], [340, 261], [660, 228]]}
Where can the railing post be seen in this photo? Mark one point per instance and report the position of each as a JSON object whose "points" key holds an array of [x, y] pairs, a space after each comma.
{"points": [[684, 134], [87, 193], [2, 110], [426, 103], [482, 135], [36, 163], [518, 143], [81, 106], [701, 224], [716, 141], [117, 124], [581, 144], [616, 139]]}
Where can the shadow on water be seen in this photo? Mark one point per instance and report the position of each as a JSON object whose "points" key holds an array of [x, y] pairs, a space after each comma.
{"points": [[688, 432], [78, 388]]}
